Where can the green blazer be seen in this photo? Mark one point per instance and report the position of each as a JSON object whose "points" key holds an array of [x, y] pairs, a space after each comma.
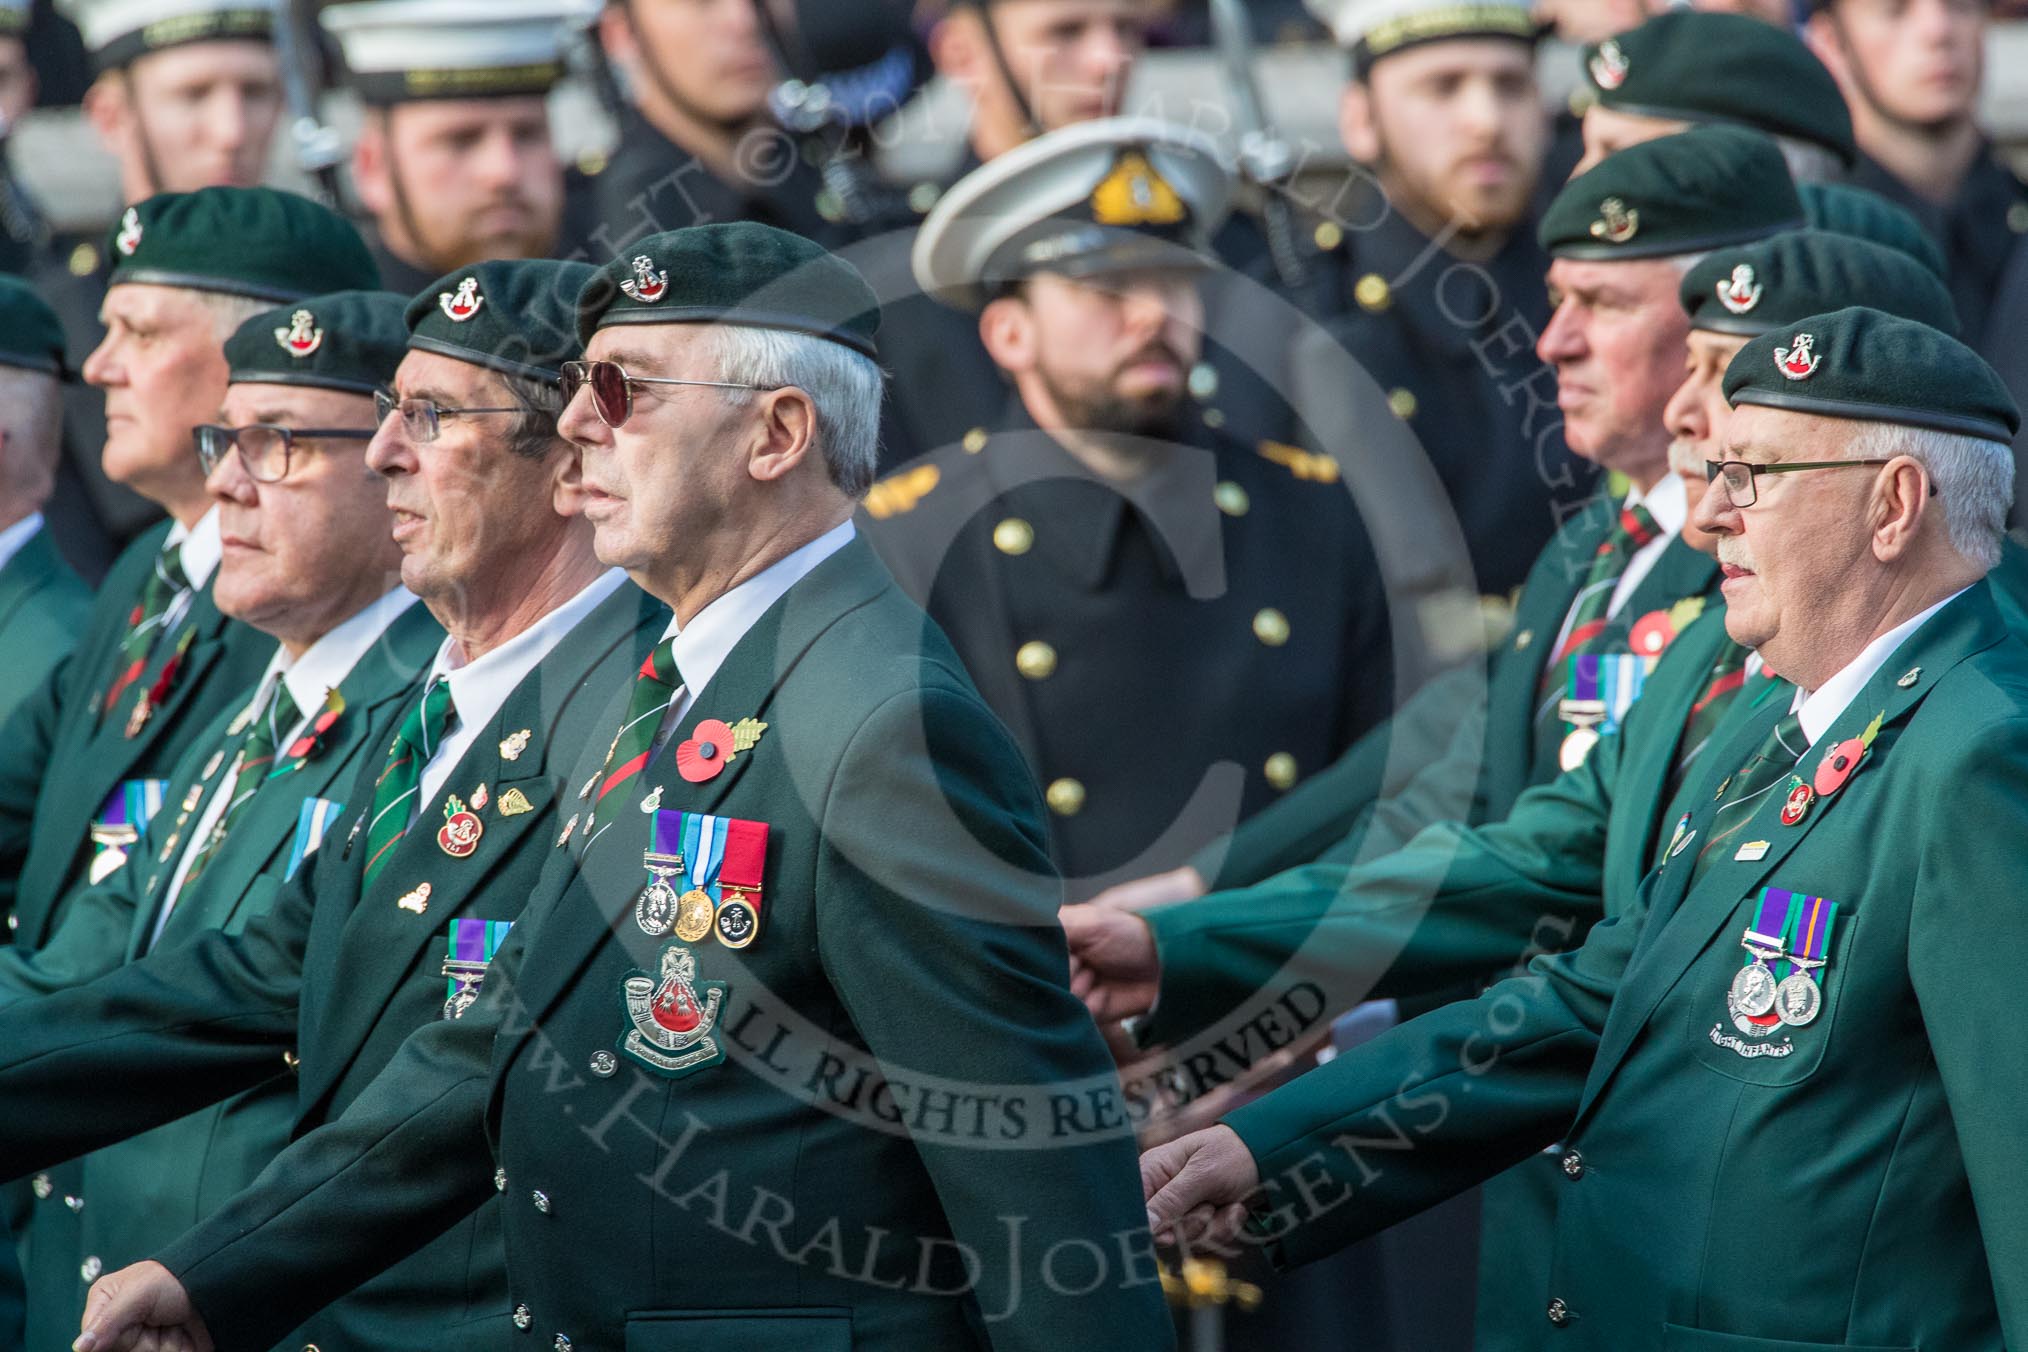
{"points": [[59, 759], [43, 609], [1468, 734], [327, 984], [1852, 1182], [149, 1189], [908, 962]]}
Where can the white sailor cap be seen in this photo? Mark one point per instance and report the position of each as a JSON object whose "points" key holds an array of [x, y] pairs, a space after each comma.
{"points": [[1110, 195], [1371, 29], [397, 51], [115, 32]]}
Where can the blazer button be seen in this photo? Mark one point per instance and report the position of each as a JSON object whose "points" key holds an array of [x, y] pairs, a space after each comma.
{"points": [[1573, 1165], [91, 1268], [523, 1317], [1559, 1313], [42, 1186], [541, 1200]]}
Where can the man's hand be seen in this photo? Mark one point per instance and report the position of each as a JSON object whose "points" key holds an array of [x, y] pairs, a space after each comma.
{"points": [[1113, 967], [142, 1308], [1196, 1188], [1157, 889]]}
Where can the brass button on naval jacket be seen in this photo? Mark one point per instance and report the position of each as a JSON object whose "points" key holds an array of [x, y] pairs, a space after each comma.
{"points": [[1271, 627], [1373, 293], [1231, 498], [1065, 797], [1036, 660], [1573, 1165], [1014, 537], [1280, 770], [1559, 1313], [1401, 402]]}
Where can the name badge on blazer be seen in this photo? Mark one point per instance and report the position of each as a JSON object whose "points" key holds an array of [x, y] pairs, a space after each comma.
{"points": [[120, 821], [312, 822]]}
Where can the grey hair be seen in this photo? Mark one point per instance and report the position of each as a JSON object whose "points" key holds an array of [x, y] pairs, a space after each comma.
{"points": [[1685, 262], [843, 385], [1809, 162], [1974, 480], [228, 312]]}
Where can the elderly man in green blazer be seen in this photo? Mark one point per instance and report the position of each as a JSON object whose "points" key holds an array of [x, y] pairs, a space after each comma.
{"points": [[785, 1054], [84, 759], [1784, 1079], [43, 604], [308, 559], [445, 825]]}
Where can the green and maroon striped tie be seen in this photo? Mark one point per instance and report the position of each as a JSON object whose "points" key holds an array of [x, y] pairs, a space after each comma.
{"points": [[145, 621], [251, 764], [654, 689], [395, 792]]}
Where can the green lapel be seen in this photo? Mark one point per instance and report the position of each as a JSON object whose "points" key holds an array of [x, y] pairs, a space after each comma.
{"points": [[1683, 918], [374, 690], [35, 565]]}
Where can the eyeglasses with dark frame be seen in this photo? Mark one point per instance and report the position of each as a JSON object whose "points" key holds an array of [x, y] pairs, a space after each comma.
{"points": [[1740, 475], [422, 419], [612, 387], [264, 448]]}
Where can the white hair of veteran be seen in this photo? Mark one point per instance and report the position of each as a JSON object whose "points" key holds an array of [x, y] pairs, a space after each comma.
{"points": [[843, 385]]}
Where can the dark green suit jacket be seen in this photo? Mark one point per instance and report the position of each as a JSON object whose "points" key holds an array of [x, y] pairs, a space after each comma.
{"points": [[905, 1076], [147, 1190], [1853, 1182], [60, 759], [1467, 737], [327, 984], [43, 609]]}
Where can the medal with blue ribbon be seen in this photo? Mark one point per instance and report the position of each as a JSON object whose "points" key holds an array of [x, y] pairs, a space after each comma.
{"points": [[717, 862]]}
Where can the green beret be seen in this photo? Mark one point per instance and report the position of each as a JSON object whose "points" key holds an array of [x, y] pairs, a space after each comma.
{"points": [[515, 316], [1864, 214], [1864, 364], [1697, 190], [31, 337], [261, 243], [348, 340], [1703, 66], [1773, 283], [737, 273]]}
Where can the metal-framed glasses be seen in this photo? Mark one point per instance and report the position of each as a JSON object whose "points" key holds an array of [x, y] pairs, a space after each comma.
{"points": [[613, 389], [264, 448], [1739, 476], [422, 419]]}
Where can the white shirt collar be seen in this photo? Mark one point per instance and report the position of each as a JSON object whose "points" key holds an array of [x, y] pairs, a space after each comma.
{"points": [[481, 686], [326, 663], [1668, 502], [1820, 708], [201, 548], [701, 646], [17, 535]]}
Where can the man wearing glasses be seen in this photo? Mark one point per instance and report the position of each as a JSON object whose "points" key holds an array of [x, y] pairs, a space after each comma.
{"points": [[442, 827], [306, 559], [1795, 1030]]}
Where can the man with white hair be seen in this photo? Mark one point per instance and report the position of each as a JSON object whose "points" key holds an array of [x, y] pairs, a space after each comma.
{"points": [[795, 960], [1794, 1032]]}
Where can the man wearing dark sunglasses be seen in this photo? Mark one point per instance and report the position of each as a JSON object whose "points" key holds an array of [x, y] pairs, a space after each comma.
{"points": [[306, 560]]}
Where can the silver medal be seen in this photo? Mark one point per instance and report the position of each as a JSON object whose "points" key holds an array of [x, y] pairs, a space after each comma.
{"points": [[1753, 990], [655, 908], [1799, 999]]}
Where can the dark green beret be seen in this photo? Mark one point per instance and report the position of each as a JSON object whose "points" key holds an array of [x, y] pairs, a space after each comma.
{"points": [[516, 316], [1871, 366], [256, 242], [348, 340], [1697, 190], [1772, 283], [736, 273], [1864, 214], [31, 337], [1703, 66]]}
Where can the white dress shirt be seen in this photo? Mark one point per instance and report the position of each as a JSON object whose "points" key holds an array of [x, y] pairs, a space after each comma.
{"points": [[199, 554], [1668, 502]]}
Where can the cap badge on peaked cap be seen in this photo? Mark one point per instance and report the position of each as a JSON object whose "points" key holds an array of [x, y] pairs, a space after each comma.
{"points": [[1133, 194]]}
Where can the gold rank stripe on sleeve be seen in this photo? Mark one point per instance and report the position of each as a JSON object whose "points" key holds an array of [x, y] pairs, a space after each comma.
{"points": [[899, 493], [1310, 465]]}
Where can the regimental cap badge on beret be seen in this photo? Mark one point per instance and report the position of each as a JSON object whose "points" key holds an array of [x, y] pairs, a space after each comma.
{"points": [[1617, 222], [1797, 361], [1740, 292], [463, 303], [300, 337], [128, 238], [1608, 65], [261, 243], [646, 285], [1135, 195]]}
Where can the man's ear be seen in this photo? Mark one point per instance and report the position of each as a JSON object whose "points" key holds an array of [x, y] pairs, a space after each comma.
{"points": [[784, 433], [370, 174], [1900, 501], [1007, 328], [1355, 123], [566, 481], [106, 107], [1826, 42], [616, 32], [956, 49]]}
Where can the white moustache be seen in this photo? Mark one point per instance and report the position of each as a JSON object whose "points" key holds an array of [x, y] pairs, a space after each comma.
{"points": [[1735, 554]]}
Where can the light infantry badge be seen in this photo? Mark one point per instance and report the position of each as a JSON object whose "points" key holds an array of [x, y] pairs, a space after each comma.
{"points": [[1742, 293], [461, 305], [302, 337], [1609, 65], [673, 1015], [1798, 362], [1617, 223], [647, 285], [129, 238]]}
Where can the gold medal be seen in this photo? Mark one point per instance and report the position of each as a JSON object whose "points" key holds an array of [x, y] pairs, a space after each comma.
{"points": [[693, 916]]}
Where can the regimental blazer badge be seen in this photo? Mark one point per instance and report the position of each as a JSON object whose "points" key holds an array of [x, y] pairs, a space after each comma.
{"points": [[673, 1015]]}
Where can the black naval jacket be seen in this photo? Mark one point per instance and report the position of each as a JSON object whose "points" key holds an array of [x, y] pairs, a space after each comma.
{"points": [[1232, 595]]}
